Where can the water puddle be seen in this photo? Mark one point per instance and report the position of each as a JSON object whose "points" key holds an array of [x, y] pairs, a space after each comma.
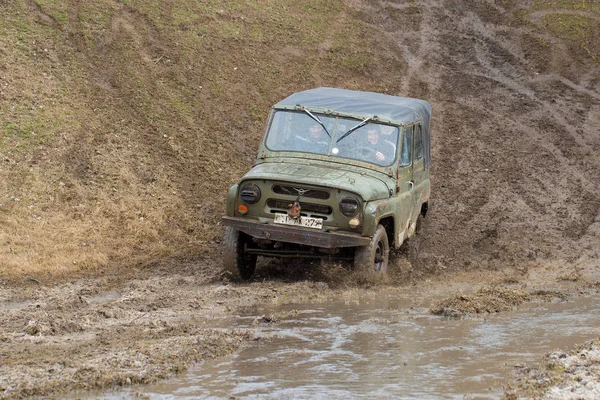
{"points": [[13, 305], [382, 348], [104, 297]]}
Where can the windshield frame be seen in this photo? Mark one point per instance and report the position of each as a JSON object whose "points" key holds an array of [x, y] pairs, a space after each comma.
{"points": [[352, 148]]}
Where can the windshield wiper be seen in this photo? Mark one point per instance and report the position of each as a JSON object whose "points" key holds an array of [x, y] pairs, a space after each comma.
{"points": [[317, 119], [362, 123]]}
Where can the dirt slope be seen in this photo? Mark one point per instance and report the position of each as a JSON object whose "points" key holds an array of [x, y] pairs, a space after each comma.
{"points": [[516, 171], [124, 123]]}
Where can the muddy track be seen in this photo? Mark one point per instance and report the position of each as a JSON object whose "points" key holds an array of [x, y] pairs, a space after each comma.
{"points": [[514, 126], [515, 198], [115, 331]]}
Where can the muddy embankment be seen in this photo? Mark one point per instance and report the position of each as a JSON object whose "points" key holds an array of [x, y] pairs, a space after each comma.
{"points": [[515, 195]]}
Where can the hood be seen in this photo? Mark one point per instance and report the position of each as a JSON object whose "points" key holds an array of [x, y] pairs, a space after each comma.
{"points": [[370, 186]]}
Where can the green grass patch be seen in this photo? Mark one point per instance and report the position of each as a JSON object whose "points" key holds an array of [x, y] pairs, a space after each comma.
{"points": [[57, 10], [10, 129], [587, 5], [581, 30], [15, 138], [572, 27]]}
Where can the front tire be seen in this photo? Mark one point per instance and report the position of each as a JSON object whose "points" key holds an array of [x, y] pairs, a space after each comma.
{"points": [[374, 258], [236, 260]]}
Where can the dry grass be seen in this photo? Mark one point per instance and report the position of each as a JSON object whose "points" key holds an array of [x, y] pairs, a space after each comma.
{"points": [[123, 124]]}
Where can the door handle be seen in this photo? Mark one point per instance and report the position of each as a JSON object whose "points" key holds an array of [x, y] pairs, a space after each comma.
{"points": [[412, 184]]}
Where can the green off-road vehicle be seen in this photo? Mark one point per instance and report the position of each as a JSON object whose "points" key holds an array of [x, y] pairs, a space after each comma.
{"points": [[339, 174]]}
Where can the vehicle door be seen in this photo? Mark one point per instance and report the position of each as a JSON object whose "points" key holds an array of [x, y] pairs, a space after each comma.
{"points": [[418, 169], [404, 186]]}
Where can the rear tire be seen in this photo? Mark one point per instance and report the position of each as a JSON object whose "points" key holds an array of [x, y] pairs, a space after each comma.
{"points": [[374, 258], [237, 262]]}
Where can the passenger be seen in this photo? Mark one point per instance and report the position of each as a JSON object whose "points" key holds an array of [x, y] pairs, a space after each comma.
{"points": [[315, 141]]}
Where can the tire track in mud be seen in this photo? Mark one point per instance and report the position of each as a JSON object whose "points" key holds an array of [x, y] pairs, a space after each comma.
{"points": [[555, 112], [518, 81], [45, 18], [423, 58], [512, 149], [566, 82], [407, 25]]}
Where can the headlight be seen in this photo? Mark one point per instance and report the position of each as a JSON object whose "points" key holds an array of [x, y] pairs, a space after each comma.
{"points": [[250, 193], [349, 206]]}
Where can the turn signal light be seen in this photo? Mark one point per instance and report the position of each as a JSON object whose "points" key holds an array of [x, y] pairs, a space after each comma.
{"points": [[243, 209], [354, 222]]}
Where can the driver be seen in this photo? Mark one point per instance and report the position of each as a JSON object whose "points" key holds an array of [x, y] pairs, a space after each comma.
{"points": [[384, 149]]}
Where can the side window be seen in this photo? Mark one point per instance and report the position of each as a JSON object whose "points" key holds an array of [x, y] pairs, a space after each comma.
{"points": [[419, 142], [406, 155]]}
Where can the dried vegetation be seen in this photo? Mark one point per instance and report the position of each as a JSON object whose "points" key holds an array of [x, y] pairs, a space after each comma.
{"points": [[123, 123]]}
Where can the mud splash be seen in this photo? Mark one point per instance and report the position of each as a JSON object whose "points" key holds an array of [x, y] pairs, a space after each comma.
{"points": [[388, 346]]}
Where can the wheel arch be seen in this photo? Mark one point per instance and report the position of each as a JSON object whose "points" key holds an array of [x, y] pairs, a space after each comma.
{"points": [[424, 208], [388, 223]]}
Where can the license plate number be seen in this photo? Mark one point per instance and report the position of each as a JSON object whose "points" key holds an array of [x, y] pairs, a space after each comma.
{"points": [[307, 222]]}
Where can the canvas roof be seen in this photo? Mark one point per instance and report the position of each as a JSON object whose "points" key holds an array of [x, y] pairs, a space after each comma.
{"points": [[399, 110]]}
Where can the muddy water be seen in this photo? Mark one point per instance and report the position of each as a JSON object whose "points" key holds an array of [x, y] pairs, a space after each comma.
{"points": [[383, 347]]}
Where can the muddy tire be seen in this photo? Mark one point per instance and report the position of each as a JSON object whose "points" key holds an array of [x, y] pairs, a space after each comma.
{"points": [[374, 258], [237, 262]]}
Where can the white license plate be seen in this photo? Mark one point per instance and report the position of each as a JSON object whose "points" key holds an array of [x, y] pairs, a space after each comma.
{"points": [[307, 222]]}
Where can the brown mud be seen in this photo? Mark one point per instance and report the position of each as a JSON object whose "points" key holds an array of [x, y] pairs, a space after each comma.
{"points": [[561, 375], [515, 180], [119, 330]]}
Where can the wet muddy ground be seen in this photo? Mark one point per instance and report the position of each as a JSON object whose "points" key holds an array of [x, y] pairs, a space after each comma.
{"points": [[116, 331], [383, 345]]}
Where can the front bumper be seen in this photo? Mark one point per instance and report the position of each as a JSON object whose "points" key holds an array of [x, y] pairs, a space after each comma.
{"points": [[294, 234]]}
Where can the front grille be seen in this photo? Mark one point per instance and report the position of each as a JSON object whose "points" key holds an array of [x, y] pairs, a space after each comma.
{"points": [[306, 207], [301, 191]]}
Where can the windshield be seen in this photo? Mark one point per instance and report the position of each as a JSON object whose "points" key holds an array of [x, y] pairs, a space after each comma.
{"points": [[297, 131]]}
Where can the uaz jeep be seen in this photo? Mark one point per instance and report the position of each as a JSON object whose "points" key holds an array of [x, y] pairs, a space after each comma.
{"points": [[339, 173]]}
